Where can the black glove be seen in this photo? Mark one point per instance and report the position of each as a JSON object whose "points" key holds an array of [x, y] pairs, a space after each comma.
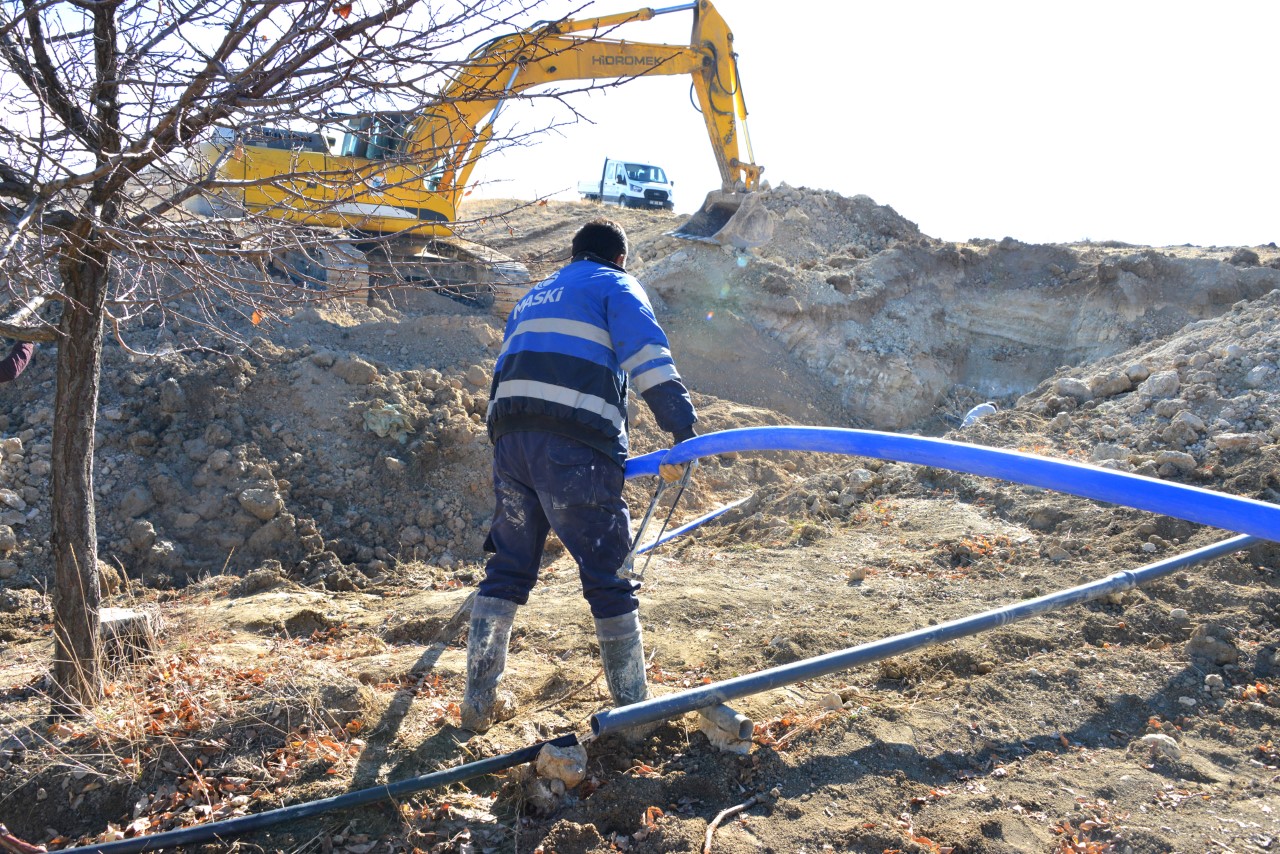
{"points": [[684, 434]]}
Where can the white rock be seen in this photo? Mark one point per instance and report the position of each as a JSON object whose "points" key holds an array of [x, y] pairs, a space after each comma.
{"points": [[1162, 384], [262, 503], [1178, 459], [1137, 372], [1072, 387], [1258, 376], [1159, 744], [1190, 419], [565, 764], [1060, 423], [860, 480], [1237, 441], [12, 499], [1109, 384], [1107, 451], [796, 216], [219, 459], [980, 411]]}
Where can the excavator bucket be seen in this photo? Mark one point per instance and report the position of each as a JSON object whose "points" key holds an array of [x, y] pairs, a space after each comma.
{"points": [[730, 219]]}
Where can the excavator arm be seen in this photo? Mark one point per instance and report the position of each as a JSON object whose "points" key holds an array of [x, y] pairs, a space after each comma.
{"points": [[585, 50], [407, 173]]}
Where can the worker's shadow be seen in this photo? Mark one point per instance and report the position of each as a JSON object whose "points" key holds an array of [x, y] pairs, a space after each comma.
{"points": [[1120, 725], [382, 756]]}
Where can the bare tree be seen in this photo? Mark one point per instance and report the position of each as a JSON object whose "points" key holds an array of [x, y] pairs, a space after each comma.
{"points": [[107, 102]]}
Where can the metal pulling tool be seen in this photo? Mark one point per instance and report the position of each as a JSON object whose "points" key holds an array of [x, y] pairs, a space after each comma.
{"points": [[628, 569]]}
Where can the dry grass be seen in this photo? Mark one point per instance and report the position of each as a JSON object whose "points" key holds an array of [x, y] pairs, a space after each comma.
{"points": [[183, 737]]}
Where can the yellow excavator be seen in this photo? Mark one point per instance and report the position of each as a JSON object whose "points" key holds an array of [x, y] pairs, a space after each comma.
{"points": [[395, 180]]}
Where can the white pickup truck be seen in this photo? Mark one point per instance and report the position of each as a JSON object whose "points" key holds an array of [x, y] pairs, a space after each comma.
{"points": [[631, 184]]}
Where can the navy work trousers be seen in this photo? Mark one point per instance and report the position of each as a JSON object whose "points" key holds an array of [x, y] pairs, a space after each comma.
{"points": [[545, 482]]}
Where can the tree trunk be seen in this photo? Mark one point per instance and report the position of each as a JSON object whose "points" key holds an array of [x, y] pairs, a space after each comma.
{"points": [[77, 670]]}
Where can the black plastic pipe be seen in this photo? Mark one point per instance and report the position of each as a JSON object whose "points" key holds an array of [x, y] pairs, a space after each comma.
{"points": [[673, 705], [220, 830]]}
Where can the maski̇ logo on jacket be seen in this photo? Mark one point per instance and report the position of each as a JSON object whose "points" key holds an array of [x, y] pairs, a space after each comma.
{"points": [[538, 298]]}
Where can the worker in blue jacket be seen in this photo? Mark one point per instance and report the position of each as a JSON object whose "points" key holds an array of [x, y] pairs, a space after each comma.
{"points": [[558, 421]]}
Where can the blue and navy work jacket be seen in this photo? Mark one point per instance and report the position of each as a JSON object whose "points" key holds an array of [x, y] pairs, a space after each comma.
{"points": [[571, 346]]}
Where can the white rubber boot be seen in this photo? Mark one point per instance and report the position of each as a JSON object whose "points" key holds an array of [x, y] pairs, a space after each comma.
{"points": [[482, 704], [622, 653]]}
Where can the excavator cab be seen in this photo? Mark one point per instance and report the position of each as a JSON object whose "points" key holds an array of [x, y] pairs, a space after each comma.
{"points": [[379, 137]]}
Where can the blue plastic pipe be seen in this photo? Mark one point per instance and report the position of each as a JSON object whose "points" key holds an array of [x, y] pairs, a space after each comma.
{"points": [[673, 705], [219, 830], [1229, 512]]}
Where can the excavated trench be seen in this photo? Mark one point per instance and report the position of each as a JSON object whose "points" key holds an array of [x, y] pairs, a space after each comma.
{"points": [[850, 313]]}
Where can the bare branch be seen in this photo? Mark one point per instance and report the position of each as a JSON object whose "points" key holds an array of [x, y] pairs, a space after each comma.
{"points": [[42, 76], [16, 324]]}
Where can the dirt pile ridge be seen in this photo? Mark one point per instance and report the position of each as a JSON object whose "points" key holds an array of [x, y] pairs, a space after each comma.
{"points": [[307, 515]]}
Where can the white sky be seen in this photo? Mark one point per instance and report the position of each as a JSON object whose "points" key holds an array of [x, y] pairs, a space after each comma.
{"points": [[1147, 122]]}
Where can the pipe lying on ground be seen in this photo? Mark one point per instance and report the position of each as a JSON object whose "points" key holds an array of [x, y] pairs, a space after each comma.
{"points": [[1229, 512], [673, 705], [229, 828], [689, 526], [733, 723]]}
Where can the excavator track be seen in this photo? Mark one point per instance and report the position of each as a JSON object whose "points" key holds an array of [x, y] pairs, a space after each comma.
{"points": [[402, 270], [469, 272]]}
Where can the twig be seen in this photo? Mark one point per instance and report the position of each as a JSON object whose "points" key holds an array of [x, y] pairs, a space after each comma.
{"points": [[573, 693], [727, 813], [14, 845]]}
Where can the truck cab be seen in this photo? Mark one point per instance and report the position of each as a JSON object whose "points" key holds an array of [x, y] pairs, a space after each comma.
{"points": [[630, 183]]}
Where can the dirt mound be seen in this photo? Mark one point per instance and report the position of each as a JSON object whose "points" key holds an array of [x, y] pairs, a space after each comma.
{"points": [[894, 322], [316, 503]]}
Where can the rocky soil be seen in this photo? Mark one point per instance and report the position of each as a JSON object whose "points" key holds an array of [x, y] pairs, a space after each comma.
{"points": [[304, 516]]}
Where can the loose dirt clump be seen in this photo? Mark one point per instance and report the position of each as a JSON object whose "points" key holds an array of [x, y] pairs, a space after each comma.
{"points": [[307, 514]]}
